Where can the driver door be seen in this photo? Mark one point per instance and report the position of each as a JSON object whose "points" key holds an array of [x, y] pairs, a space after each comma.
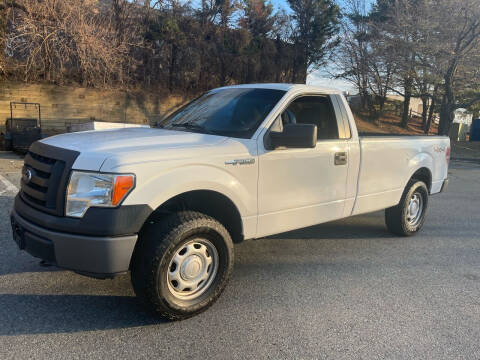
{"points": [[303, 187]]}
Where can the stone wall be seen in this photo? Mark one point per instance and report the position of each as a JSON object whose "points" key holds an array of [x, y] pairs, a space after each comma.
{"points": [[61, 106]]}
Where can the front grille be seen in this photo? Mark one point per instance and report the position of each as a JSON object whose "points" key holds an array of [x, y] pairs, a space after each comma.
{"points": [[44, 177]]}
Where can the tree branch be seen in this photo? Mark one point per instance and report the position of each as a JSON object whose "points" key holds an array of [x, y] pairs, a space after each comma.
{"points": [[468, 104], [12, 4]]}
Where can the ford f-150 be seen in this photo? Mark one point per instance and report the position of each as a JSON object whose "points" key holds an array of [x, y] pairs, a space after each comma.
{"points": [[167, 203]]}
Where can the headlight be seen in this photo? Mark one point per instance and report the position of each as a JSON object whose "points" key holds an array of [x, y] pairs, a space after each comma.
{"points": [[87, 189]]}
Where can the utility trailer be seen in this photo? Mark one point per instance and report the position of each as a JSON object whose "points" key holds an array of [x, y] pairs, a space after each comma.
{"points": [[21, 132]]}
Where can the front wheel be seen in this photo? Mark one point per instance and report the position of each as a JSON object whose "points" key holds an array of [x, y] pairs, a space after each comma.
{"points": [[408, 217], [182, 264]]}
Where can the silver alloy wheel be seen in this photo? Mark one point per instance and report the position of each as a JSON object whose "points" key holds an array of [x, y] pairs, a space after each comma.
{"points": [[415, 209], [192, 269]]}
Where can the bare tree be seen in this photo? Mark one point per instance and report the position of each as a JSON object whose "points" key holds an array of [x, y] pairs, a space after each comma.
{"points": [[426, 48], [457, 28], [365, 58], [59, 40], [354, 51], [397, 22]]}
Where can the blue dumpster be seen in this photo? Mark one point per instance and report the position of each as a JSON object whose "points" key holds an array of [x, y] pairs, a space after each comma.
{"points": [[475, 130]]}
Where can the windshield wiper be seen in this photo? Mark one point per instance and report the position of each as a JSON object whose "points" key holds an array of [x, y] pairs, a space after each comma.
{"points": [[195, 127]]}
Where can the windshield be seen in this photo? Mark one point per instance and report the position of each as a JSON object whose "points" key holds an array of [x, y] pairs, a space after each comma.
{"points": [[235, 112]]}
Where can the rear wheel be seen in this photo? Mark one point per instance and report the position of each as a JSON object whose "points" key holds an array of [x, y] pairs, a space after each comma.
{"points": [[408, 217], [182, 264]]}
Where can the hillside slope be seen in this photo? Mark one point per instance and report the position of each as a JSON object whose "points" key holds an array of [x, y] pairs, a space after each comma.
{"points": [[390, 124]]}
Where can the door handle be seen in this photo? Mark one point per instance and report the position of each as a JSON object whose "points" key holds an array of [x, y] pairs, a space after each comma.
{"points": [[340, 158]]}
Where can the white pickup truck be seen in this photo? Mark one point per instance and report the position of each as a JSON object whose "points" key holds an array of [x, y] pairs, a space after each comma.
{"points": [[237, 163]]}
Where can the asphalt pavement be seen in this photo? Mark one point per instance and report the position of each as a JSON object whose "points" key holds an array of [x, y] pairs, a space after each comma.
{"points": [[343, 290]]}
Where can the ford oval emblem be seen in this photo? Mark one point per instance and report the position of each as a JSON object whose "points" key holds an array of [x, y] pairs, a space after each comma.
{"points": [[26, 174]]}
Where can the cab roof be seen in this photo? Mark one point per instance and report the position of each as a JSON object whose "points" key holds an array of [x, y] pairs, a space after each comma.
{"points": [[285, 87]]}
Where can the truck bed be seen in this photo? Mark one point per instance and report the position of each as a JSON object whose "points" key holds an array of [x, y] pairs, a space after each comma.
{"points": [[388, 161], [370, 134]]}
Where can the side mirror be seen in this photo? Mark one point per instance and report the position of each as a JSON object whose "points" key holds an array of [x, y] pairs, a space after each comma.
{"points": [[294, 136]]}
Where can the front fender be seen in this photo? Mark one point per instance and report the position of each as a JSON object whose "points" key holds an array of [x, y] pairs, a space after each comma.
{"points": [[155, 190]]}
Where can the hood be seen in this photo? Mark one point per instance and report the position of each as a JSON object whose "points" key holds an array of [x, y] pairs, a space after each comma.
{"points": [[96, 146]]}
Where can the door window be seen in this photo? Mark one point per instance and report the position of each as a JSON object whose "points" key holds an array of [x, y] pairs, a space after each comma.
{"points": [[316, 110]]}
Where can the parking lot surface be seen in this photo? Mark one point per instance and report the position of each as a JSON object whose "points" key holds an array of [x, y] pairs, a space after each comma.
{"points": [[343, 290]]}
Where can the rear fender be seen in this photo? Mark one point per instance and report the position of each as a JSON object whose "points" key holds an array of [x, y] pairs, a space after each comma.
{"points": [[421, 160]]}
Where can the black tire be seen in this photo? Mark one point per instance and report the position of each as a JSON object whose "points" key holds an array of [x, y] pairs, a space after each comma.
{"points": [[397, 217], [158, 243]]}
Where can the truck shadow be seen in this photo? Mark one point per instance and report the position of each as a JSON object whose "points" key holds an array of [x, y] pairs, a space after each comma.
{"points": [[44, 314], [359, 227]]}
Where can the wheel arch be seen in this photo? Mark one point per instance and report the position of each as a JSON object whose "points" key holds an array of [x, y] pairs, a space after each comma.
{"points": [[423, 174], [421, 167], [208, 202]]}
